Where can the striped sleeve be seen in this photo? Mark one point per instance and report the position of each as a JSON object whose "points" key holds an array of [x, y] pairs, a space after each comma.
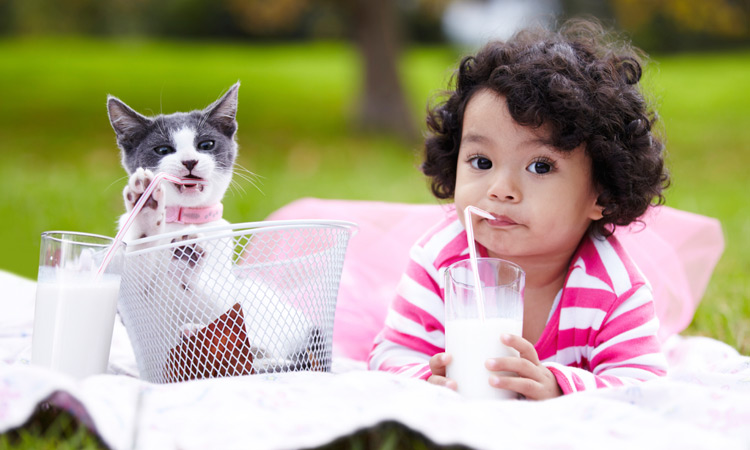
{"points": [[620, 343], [414, 326]]}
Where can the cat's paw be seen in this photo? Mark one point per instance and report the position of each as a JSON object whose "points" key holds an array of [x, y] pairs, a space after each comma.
{"points": [[137, 184], [189, 254], [186, 262], [150, 220]]}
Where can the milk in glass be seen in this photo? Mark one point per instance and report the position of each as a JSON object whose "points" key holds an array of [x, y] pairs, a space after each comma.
{"points": [[73, 324], [471, 343]]}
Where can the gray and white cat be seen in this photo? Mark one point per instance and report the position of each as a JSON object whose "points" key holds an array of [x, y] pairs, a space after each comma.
{"points": [[199, 144]]}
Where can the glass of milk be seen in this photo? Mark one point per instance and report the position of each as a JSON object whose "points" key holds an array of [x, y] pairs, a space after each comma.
{"points": [[75, 305], [471, 339]]}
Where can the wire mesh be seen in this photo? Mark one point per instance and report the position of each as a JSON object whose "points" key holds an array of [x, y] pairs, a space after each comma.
{"points": [[239, 300]]}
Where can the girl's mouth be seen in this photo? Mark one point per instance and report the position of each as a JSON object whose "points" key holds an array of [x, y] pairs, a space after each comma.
{"points": [[501, 221]]}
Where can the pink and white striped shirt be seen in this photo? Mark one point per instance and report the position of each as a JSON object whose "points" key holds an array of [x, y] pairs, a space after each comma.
{"points": [[601, 331]]}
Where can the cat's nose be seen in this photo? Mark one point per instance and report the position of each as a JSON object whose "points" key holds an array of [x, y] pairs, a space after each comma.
{"points": [[190, 163]]}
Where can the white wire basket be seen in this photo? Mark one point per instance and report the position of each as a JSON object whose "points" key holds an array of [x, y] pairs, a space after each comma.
{"points": [[234, 300]]}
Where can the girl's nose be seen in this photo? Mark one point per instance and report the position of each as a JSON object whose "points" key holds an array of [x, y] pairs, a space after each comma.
{"points": [[504, 188]]}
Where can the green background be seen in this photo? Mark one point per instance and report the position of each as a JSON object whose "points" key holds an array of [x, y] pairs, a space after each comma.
{"points": [[59, 165]]}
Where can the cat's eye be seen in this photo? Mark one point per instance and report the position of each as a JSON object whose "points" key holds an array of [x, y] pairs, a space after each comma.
{"points": [[163, 150], [206, 145]]}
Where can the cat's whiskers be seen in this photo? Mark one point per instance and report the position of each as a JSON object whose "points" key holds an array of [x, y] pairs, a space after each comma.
{"points": [[253, 180], [250, 177], [237, 188], [117, 181]]}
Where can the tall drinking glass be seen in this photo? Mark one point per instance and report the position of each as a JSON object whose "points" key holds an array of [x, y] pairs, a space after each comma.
{"points": [[75, 305], [471, 339]]}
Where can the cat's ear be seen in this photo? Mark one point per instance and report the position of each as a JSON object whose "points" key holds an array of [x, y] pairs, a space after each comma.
{"points": [[223, 111], [125, 121]]}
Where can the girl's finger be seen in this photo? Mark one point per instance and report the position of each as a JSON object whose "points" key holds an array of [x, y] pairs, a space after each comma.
{"points": [[522, 367], [443, 381], [543, 388], [525, 348], [439, 362], [524, 386]]}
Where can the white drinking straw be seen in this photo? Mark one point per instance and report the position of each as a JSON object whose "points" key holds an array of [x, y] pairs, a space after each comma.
{"points": [[158, 178], [473, 253]]}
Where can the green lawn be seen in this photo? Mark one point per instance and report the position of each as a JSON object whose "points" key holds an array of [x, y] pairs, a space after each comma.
{"points": [[59, 166]]}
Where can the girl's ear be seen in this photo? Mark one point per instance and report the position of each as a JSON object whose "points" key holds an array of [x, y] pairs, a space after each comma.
{"points": [[596, 212]]}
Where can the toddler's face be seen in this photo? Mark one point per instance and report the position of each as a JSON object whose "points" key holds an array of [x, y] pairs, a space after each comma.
{"points": [[543, 200]]}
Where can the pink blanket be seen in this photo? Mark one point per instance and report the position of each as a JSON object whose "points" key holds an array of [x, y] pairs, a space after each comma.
{"points": [[676, 250]]}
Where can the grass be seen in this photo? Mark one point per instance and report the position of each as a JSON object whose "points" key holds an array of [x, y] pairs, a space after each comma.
{"points": [[59, 166], [51, 428], [704, 111]]}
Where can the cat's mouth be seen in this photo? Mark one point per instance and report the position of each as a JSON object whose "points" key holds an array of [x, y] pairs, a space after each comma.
{"points": [[192, 187]]}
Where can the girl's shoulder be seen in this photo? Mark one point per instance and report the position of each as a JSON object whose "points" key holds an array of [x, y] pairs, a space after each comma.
{"points": [[437, 234], [603, 264], [443, 243]]}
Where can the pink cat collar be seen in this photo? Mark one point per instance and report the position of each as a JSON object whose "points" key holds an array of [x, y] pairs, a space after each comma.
{"points": [[180, 214]]}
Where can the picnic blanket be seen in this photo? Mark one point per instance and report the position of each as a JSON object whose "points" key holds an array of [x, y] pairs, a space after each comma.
{"points": [[704, 402]]}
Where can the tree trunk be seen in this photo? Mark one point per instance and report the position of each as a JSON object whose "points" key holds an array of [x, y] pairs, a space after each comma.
{"points": [[383, 104]]}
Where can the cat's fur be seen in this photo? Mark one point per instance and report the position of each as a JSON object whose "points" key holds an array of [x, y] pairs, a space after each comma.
{"points": [[199, 144]]}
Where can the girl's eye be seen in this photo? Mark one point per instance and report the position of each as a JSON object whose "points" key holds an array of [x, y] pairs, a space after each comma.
{"points": [[163, 150], [481, 163], [539, 167], [206, 145]]}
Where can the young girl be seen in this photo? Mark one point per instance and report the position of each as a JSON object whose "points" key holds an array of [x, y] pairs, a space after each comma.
{"points": [[549, 133]]}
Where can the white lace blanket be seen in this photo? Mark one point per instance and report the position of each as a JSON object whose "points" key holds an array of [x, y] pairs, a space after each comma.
{"points": [[703, 403]]}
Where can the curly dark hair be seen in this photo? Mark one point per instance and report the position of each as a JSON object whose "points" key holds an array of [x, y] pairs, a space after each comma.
{"points": [[581, 84]]}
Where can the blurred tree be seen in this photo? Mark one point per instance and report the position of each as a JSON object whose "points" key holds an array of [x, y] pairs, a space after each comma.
{"points": [[376, 33], [423, 19], [721, 17], [268, 17], [602, 10], [375, 28], [93, 17], [683, 24]]}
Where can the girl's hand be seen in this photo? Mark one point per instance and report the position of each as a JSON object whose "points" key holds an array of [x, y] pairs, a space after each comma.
{"points": [[438, 364], [534, 381]]}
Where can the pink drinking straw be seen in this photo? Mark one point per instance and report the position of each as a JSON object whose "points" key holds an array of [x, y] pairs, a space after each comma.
{"points": [[473, 253], [158, 178]]}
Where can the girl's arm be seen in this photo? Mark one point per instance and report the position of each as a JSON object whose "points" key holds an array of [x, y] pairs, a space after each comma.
{"points": [[626, 349]]}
